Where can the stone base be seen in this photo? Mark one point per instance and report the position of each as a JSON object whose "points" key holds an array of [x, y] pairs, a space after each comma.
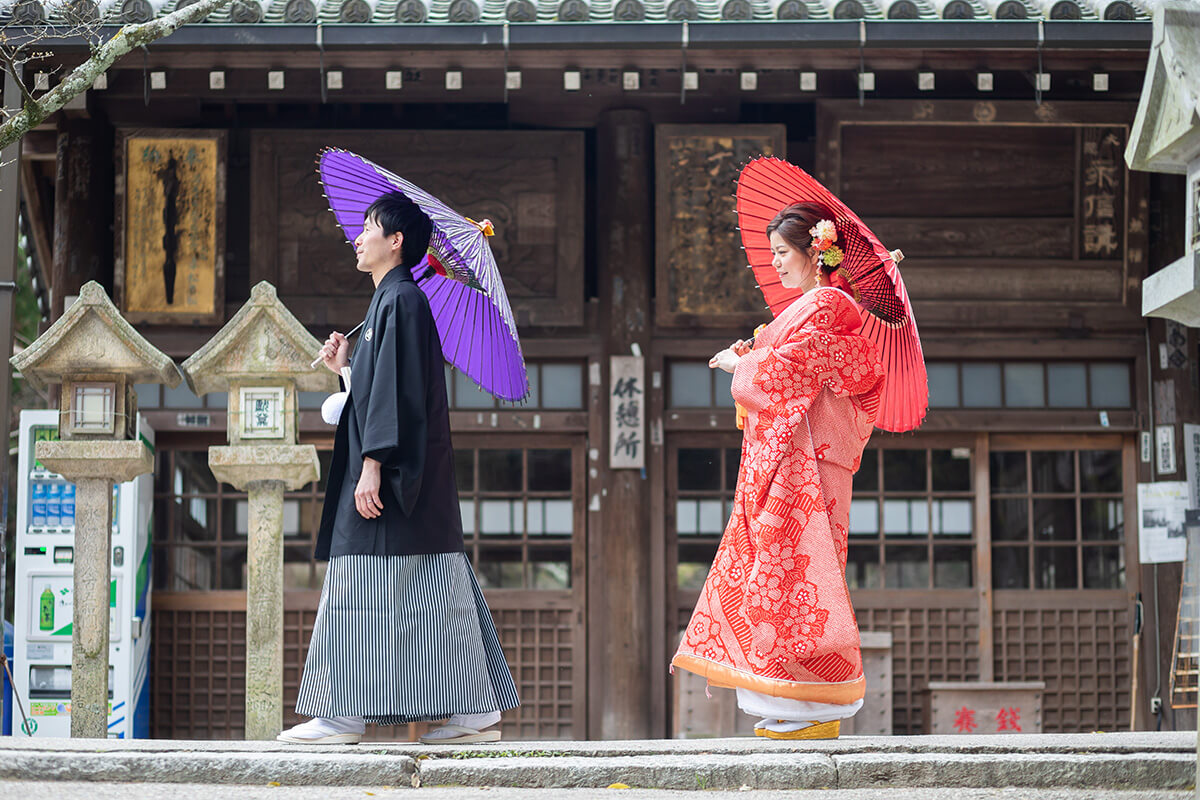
{"points": [[293, 465], [118, 461]]}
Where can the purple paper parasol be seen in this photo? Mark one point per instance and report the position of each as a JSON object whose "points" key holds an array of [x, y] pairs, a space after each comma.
{"points": [[470, 307]]}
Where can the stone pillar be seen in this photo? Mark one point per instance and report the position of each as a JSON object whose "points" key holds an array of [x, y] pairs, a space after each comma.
{"points": [[264, 611], [262, 357], [93, 574], [264, 472]]}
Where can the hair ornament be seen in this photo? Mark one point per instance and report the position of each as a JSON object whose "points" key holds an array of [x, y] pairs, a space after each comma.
{"points": [[824, 234]]}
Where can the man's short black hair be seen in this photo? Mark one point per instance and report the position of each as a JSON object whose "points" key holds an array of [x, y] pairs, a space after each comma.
{"points": [[395, 212]]}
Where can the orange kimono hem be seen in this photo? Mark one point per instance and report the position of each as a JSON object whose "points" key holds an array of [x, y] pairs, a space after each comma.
{"points": [[725, 677]]}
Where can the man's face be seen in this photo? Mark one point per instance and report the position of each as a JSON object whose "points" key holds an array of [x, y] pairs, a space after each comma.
{"points": [[375, 250]]}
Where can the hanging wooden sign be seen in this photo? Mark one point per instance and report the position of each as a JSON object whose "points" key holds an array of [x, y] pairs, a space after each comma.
{"points": [[170, 226], [627, 413]]}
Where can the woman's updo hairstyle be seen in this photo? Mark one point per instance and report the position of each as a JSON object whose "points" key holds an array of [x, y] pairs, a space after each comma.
{"points": [[794, 222]]}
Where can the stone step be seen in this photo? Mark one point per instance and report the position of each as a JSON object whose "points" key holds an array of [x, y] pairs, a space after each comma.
{"points": [[1087, 761], [815, 771]]}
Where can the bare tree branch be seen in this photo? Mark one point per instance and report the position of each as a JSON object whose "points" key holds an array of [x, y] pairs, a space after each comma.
{"points": [[82, 77], [10, 66]]}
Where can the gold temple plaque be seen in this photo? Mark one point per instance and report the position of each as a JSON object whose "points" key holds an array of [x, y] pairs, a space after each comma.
{"points": [[170, 259]]}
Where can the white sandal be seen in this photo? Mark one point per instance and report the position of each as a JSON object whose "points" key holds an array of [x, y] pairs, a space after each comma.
{"points": [[324, 731], [462, 736]]}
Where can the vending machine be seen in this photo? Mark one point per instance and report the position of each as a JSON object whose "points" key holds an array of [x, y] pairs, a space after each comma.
{"points": [[44, 589]]}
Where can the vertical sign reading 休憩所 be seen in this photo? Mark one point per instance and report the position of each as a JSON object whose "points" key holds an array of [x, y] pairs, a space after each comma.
{"points": [[626, 413]]}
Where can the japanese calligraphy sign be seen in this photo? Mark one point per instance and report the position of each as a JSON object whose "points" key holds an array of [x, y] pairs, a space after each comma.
{"points": [[982, 707], [971, 720], [170, 258], [1102, 199], [1195, 215], [1191, 450], [626, 413]]}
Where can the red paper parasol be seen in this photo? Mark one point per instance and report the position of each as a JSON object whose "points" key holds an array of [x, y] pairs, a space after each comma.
{"points": [[768, 185]]}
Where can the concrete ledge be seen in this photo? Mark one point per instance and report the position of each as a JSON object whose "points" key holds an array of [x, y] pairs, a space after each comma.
{"points": [[691, 772], [327, 769], [1093, 770], [1142, 761], [1077, 743]]}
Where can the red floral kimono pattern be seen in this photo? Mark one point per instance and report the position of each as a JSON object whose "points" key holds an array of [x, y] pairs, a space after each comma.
{"points": [[775, 613]]}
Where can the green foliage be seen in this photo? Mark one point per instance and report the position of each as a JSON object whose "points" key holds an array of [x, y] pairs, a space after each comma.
{"points": [[510, 754]]}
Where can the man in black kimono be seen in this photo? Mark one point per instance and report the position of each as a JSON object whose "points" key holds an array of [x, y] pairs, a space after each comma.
{"points": [[402, 632]]}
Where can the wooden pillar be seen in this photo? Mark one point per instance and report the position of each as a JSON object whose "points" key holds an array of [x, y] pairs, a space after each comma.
{"points": [[82, 210], [10, 187], [619, 575], [1173, 384]]}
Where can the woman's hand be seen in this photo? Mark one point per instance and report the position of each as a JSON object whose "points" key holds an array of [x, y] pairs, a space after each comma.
{"points": [[366, 494], [726, 360], [740, 347], [335, 353]]}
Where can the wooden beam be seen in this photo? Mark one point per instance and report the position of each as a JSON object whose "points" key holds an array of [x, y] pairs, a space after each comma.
{"points": [[82, 209], [621, 701], [983, 558], [37, 209], [10, 232], [731, 57], [40, 145]]}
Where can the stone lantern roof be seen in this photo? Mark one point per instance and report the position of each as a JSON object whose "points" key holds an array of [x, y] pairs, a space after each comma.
{"points": [[262, 341], [1166, 138], [92, 337], [1166, 132]]}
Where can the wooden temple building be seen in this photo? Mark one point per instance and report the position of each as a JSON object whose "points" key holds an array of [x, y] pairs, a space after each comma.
{"points": [[985, 138]]}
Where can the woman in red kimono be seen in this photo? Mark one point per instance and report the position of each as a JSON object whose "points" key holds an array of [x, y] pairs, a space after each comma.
{"points": [[774, 620]]}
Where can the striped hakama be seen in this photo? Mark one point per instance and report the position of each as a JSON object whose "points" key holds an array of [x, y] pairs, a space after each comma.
{"points": [[403, 639]]}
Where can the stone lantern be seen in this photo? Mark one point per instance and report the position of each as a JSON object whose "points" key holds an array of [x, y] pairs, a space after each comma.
{"points": [[262, 357], [1166, 138], [97, 358]]}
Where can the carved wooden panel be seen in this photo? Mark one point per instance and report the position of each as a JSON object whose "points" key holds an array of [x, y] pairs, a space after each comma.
{"points": [[1008, 213], [170, 225], [700, 267], [530, 184]]}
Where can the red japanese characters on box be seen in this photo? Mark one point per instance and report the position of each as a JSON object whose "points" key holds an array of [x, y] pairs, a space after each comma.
{"points": [[984, 708]]}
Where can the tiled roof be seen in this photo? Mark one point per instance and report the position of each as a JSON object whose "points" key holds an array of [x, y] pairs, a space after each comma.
{"points": [[550, 11]]}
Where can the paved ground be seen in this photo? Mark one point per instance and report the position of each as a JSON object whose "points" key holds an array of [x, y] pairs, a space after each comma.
{"points": [[31, 790]]}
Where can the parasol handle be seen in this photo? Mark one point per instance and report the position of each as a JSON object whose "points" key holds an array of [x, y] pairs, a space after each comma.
{"points": [[353, 331], [897, 255]]}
